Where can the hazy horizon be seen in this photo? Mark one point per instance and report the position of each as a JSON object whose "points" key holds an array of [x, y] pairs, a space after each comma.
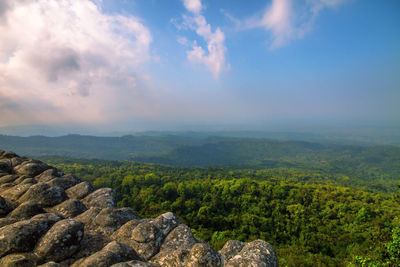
{"points": [[108, 67]]}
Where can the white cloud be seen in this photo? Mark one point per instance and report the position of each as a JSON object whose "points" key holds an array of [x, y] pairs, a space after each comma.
{"points": [[183, 40], [214, 58], [65, 60], [194, 6], [288, 20]]}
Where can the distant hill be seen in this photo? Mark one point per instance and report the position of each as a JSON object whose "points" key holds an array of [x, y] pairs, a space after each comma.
{"points": [[369, 163], [116, 148]]}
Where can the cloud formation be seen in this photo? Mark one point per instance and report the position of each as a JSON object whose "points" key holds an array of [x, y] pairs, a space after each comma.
{"points": [[67, 61], [214, 60], [288, 20]]}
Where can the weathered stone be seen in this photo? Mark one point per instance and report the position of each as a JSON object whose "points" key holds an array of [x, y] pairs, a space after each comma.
{"points": [[145, 232], [47, 175], [124, 233], [8, 155], [110, 219], [50, 264], [80, 190], [64, 182], [8, 178], [26, 210], [7, 221], [19, 260], [5, 207], [5, 165], [176, 247], [113, 253], [166, 222], [134, 263], [257, 253], [52, 217], [24, 179], [23, 235], [146, 239], [231, 248], [31, 168], [102, 198], [44, 194], [13, 193], [88, 215], [202, 255], [61, 241], [176, 258], [31, 188], [180, 237], [15, 161], [4, 187], [90, 244], [69, 208]]}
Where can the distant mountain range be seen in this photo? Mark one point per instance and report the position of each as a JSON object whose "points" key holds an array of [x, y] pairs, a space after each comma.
{"points": [[367, 162]]}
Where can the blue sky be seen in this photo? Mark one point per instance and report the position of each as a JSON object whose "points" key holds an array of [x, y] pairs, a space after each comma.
{"points": [[190, 62]]}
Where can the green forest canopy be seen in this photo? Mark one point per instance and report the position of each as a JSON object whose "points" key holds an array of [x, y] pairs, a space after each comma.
{"points": [[309, 219]]}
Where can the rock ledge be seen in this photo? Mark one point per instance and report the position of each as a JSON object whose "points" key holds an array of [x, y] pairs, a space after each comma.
{"points": [[51, 219]]}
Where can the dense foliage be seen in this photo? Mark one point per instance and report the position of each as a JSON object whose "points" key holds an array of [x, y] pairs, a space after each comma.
{"points": [[309, 220]]}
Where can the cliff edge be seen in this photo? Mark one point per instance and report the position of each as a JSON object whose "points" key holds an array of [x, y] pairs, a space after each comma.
{"points": [[51, 219]]}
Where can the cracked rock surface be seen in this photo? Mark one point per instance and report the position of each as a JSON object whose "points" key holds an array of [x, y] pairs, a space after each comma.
{"points": [[51, 219]]}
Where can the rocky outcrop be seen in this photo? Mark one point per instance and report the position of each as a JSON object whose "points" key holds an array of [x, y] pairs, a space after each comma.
{"points": [[51, 219]]}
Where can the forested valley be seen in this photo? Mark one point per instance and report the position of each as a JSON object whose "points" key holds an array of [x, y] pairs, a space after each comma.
{"points": [[311, 217]]}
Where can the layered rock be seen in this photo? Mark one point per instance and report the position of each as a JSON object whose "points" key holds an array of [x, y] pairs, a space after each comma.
{"points": [[51, 219]]}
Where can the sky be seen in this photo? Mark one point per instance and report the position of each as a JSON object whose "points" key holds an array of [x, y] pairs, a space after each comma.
{"points": [[118, 65]]}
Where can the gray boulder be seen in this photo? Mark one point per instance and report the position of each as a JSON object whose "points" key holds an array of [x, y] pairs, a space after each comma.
{"points": [[19, 260], [8, 155], [175, 250], [24, 179], [69, 208], [15, 161], [5, 166], [113, 253], [110, 219], [31, 168], [80, 190], [124, 233], [88, 216], [102, 198], [90, 244], [23, 235], [12, 194], [61, 241], [5, 207], [64, 182], [166, 222], [231, 248], [146, 239], [26, 210], [8, 178], [47, 175], [44, 194], [202, 255], [180, 237], [257, 253]]}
